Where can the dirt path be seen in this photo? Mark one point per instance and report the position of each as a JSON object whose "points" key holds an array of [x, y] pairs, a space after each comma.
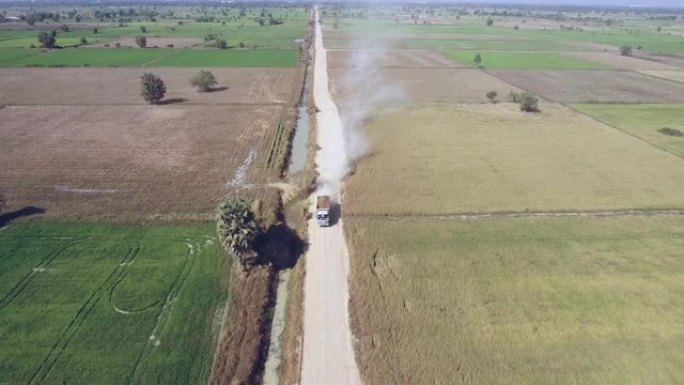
{"points": [[530, 214], [328, 356]]}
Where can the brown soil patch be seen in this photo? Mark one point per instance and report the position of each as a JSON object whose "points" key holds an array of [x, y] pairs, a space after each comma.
{"points": [[130, 161], [673, 60], [111, 86], [599, 86], [616, 60], [416, 86], [241, 352], [160, 42], [392, 58], [671, 75]]}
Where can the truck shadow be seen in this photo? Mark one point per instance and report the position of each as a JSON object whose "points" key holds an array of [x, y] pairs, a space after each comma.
{"points": [[335, 213]]}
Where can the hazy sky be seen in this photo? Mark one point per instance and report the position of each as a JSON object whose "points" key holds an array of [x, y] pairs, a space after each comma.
{"points": [[648, 3]]}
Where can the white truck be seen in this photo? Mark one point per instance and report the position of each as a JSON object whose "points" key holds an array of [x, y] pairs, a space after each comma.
{"points": [[323, 210]]}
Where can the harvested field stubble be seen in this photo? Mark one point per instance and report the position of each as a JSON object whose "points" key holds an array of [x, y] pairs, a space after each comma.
{"points": [[433, 85], [392, 58], [104, 86], [622, 62], [494, 158], [132, 160], [594, 86], [518, 301]]}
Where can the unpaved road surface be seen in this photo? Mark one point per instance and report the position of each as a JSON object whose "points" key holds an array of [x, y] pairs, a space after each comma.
{"points": [[328, 356]]}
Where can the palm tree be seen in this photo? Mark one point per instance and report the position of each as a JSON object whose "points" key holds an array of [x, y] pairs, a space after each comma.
{"points": [[237, 228]]}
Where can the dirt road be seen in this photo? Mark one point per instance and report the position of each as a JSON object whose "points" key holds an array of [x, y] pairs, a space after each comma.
{"points": [[328, 356]]}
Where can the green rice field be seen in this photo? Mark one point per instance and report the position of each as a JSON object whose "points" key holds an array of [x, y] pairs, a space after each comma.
{"points": [[108, 304]]}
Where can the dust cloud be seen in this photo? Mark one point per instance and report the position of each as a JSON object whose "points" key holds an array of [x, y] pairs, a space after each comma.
{"points": [[365, 88]]}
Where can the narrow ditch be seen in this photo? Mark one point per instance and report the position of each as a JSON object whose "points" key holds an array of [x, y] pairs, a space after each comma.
{"points": [[298, 161]]}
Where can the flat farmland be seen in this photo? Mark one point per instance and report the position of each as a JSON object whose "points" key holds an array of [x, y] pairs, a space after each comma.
{"points": [[494, 158], [518, 301], [119, 160], [122, 85], [526, 60], [594, 86], [644, 121], [419, 86], [615, 60], [677, 75], [89, 303], [136, 57], [391, 58]]}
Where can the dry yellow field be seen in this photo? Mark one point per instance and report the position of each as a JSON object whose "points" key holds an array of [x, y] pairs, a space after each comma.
{"points": [[671, 75], [494, 158], [591, 301]]}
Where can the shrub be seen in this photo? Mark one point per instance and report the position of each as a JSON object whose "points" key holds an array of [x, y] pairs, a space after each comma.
{"points": [[143, 29], [490, 21], [477, 59], [491, 95], [203, 80], [84, 40], [528, 102], [626, 50], [46, 40], [671, 131], [141, 41], [152, 88], [221, 44]]}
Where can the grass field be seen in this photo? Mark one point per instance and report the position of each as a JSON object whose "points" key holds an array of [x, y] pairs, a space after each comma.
{"points": [[519, 301], [526, 60], [492, 158], [105, 304], [231, 58], [161, 57], [643, 121]]}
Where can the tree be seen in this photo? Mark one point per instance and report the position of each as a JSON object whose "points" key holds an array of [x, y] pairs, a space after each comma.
{"points": [[221, 44], [515, 27], [238, 228], [203, 80], [95, 30], [491, 95], [477, 59], [152, 88], [84, 40], [143, 29], [626, 50], [528, 102], [3, 203], [490, 21], [141, 41], [64, 28], [46, 40]]}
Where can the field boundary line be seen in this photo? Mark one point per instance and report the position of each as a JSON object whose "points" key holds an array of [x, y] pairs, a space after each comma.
{"points": [[567, 105], [528, 214]]}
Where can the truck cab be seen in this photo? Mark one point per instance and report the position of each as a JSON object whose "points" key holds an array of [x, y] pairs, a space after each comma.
{"points": [[323, 210]]}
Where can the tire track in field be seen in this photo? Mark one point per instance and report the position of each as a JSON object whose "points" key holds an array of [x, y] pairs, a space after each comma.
{"points": [[26, 280], [81, 315], [165, 311]]}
